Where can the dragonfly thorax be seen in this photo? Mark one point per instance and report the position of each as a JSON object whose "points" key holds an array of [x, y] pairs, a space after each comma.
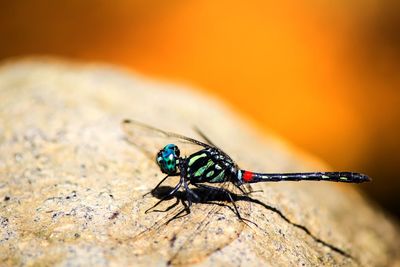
{"points": [[208, 165], [168, 158]]}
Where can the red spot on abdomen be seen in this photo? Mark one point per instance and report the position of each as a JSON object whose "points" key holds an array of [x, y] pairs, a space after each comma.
{"points": [[247, 176]]}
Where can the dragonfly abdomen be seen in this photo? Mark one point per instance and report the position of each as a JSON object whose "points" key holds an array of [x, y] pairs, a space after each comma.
{"points": [[344, 177]]}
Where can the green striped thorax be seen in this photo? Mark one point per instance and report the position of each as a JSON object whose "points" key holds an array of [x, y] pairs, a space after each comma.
{"points": [[167, 159]]}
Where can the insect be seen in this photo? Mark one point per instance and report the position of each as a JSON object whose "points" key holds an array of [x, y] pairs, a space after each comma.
{"points": [[215, 179], [211, 165]]}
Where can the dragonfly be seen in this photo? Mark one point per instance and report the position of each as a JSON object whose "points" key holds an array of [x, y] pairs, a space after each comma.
{"points": [[211, 165], [204, 166]]}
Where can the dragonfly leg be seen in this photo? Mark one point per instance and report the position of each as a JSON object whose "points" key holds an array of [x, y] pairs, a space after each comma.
{"points": [[244, 220], [155, 188], [180, 213], [241, 189], [190, 193], [249, 189], [173, 191], [227, 193], [170, 207]]}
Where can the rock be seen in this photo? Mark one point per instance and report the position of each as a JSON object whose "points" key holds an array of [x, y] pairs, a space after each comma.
{"points": [[71, 186]]}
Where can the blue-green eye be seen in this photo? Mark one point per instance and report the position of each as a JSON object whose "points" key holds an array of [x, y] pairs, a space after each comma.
{"points": [[167, 159]]}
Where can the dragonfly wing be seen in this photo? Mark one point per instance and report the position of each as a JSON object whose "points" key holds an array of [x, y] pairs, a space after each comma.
{"points": [[151, 140]]}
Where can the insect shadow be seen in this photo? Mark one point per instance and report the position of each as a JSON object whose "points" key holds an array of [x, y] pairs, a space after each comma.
{"points": [[216, 197]]}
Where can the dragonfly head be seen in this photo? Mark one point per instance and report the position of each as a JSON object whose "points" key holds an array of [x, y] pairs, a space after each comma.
{"points": [[167, 159]]}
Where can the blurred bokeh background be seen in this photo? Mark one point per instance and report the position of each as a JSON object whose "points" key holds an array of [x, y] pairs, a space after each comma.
{"points": [[323, 74]]}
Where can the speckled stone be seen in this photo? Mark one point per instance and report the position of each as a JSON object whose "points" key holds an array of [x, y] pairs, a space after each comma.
{"points": [[71, 186]]}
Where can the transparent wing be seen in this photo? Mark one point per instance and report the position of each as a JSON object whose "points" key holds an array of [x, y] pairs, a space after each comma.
{"points": [[151, 140]]}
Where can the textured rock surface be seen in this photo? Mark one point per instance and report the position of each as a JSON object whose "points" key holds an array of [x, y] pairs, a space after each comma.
{"points": [[71, 187]]}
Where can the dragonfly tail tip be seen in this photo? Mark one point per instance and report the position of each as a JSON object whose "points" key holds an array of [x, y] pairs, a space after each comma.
{"points": [[364, 178]]}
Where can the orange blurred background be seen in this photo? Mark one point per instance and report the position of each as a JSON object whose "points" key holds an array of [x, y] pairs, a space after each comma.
{"points": [[323, 74]]}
